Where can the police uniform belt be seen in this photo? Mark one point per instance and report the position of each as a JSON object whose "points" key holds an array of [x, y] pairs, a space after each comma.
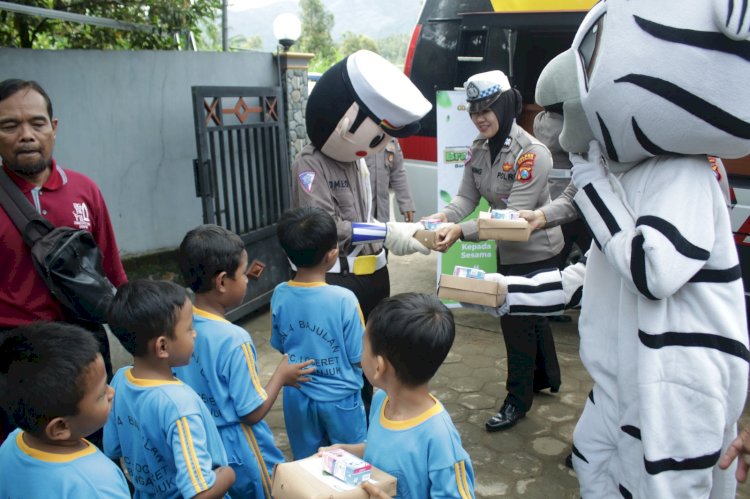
{"points": [[360, 264]]}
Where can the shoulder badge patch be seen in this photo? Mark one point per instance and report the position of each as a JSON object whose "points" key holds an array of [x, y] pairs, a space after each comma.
{"points": [[306, 179], [523, 174], [525, 167]]}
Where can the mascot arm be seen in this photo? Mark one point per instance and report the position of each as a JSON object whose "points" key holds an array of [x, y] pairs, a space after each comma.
{"points": [[660, 246], [548, 292], [396, 236]]}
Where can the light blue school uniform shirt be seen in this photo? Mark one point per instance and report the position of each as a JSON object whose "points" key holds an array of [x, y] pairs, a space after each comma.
{"points": [[27, 472], [322, 322], [165, 435], [423, 453], [223, 371]]}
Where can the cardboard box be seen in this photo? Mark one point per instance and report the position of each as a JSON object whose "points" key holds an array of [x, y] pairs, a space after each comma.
{"points": [[426, 237], [468, 290], [305, 479], [502, 230]]}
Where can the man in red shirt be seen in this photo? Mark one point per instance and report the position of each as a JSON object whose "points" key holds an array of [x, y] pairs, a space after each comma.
{"points": [[64, 197]]}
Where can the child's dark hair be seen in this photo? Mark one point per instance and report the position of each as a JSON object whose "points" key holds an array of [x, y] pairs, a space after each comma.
{"points": [[306, 234], [42, 371], [207, 251], [142, 310], [414, 332]]}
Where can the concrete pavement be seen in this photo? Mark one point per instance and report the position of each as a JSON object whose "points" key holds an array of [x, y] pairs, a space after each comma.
{"points": [[526, 461]]}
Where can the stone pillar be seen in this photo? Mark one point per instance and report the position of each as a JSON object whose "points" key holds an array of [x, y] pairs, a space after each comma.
{"points": [[294, 86]]}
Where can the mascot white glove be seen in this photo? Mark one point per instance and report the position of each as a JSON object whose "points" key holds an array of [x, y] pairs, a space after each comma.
{"points": [[399, 240], [586, 171], [503, 308]]}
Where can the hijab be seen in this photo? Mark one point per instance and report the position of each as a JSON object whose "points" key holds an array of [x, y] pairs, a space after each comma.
{"points": [[506, 108]]}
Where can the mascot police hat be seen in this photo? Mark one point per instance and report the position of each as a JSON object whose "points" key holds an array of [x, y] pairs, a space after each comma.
{"points": [[360, 101]]}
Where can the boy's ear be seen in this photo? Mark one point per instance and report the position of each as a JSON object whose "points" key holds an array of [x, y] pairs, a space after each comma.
{"points": [[382, 366], [57, 429], [159, 347], [332, 254], [220, 281]]}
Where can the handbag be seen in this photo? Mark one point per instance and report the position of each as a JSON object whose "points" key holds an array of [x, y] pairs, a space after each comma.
{"points": [[67, 259]]}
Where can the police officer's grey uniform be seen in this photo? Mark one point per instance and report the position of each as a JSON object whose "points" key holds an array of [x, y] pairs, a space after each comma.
{"points": [[496, 182], [387, 171], [517, 179]]}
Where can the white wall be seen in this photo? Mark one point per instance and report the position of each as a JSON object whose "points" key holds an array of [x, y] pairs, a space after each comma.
{"points": [[126, 120]]}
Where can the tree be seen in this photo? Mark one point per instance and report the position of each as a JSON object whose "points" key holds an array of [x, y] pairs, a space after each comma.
{"points": [[351, 42], [317, 23], [242, 42], [393, 48], [165, 17]]}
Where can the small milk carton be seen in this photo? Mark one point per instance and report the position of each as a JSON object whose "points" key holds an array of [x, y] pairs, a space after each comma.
{"points": [[432, 223], [504, 214], [469, 272], [345, 466]]}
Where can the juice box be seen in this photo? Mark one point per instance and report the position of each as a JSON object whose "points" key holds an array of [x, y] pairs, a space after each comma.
{"points": [[345, 466]]}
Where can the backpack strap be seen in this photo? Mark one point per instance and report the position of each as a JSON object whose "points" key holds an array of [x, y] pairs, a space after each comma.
{"points": [[30, 224]]}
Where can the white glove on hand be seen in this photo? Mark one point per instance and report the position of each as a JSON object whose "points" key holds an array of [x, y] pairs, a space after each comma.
{"points": [[399, 240], [502, 309], [585, 171]]}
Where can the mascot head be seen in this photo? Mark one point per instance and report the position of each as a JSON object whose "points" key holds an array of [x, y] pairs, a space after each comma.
{"points": [[648, 78], [358, 104]]}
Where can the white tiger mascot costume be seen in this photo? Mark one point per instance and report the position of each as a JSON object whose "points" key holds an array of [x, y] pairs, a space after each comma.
{"points": [[659, 84]]}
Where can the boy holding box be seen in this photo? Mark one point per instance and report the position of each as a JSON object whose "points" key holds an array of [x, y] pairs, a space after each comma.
{"points": [[411, 435], [313, 320]]}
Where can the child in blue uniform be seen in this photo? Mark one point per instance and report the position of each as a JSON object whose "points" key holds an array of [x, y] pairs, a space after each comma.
{"points": [[159, 425], [53, 386], [411, 436], [223, 371], [312, 320]]}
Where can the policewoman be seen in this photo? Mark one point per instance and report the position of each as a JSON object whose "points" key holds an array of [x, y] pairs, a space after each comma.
{"points": [[355, 108], [510, 169]]}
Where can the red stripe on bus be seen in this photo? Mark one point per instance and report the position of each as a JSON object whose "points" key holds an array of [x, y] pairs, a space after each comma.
{"points": [[410, 52], [419, 147]]}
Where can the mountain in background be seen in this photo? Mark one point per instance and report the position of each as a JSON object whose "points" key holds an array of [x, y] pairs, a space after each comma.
{"points": [[374, 18]]}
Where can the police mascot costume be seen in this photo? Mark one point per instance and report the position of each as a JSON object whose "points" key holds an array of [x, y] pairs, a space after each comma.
{"points": [[352, 112], [648, 90]]}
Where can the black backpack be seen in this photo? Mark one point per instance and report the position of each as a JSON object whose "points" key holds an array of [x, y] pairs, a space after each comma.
{"points": [[67, 259]]}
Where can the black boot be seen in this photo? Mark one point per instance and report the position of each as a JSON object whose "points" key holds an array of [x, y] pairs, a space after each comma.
{"points": [[506, 417]]}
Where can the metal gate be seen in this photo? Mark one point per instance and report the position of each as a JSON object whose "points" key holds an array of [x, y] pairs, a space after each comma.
{"points": [[242, 176]]}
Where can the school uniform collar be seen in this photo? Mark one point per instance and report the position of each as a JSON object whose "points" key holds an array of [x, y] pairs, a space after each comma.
{"points": [[389, 424], [50, 457], [56, 180], [208, 315]]}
